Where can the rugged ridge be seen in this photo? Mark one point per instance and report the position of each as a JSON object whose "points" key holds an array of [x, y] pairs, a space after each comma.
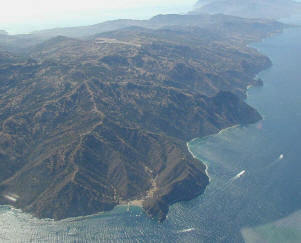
{"points": [[86, 125], [219, 24]]}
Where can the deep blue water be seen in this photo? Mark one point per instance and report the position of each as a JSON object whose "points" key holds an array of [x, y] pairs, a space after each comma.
{"points": [[263, 205]]}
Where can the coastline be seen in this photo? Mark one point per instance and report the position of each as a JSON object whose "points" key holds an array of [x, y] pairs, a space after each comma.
{"points": [[247, 88], [195, 157], [202, 161], [139, 202], [186, 221]]}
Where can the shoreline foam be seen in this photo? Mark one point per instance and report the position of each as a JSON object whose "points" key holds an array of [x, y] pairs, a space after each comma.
{"points": [[201, 160]]}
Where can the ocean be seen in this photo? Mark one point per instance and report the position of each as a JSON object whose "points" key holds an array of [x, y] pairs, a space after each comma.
{"points": [[255, 170]]}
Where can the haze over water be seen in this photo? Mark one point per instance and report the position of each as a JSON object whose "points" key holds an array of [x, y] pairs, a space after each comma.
{"points": [[263, 204]]}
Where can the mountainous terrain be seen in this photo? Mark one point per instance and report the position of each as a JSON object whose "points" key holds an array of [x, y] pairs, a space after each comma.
{"points": [[269, 9], [215, 24], [87, 124]]}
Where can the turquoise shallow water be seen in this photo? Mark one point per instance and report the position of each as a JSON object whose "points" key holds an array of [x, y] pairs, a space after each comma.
{"points": [[263, 205]]}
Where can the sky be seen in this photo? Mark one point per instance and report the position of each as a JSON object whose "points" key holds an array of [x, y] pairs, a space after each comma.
{"points": [[23, 16]]}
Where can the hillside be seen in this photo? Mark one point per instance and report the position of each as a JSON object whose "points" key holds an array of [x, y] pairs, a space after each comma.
{"points": [[87, 124], [218, 24]]}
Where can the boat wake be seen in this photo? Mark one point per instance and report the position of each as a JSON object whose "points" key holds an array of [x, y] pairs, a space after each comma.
{"points": [[186, 230], [239, 175]]}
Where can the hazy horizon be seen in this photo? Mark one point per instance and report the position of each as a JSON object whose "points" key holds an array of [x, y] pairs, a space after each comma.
{"points": [[24, 17]]}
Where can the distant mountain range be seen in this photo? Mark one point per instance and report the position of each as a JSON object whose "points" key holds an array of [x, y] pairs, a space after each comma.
{"points": [[217, 22], [271, 9]]}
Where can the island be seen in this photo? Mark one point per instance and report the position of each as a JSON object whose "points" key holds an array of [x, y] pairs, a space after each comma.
{"points": [[267, 9], [102, 120]]}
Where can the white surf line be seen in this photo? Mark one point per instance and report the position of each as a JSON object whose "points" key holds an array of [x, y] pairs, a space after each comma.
{"points": [[226, 129], [188, 147], [216, 134], [195, 157], [229, 181]]}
